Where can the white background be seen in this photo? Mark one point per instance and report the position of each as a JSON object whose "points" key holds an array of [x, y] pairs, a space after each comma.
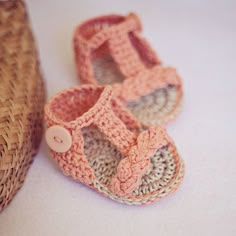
{"points": [[197, 37]]}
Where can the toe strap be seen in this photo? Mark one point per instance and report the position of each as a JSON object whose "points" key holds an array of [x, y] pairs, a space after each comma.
{"points": [[131, 169], [147, 81]]}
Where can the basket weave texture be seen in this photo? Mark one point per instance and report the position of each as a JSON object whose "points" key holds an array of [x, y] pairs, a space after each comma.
{"points": [[21, 98]]}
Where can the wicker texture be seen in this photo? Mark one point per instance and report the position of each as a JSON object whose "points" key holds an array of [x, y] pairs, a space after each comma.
{"points": [[21, 98]]}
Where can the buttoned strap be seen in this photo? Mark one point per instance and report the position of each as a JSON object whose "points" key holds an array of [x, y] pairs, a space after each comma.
{"points": [[67, 141]]}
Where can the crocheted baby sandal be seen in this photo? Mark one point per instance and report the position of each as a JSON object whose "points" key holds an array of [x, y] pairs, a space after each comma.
{"points": [[21, 98], [91, 140], [109, 50]]}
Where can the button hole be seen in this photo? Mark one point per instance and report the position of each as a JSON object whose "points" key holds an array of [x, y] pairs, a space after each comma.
{"points": [[58, 140]]}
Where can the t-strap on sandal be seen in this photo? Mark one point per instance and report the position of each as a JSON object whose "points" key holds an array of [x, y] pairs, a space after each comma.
{"points": [[96, 141], [110, 50]]}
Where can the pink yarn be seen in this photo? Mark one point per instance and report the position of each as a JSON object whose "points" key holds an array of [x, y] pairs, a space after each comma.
{"points": [[119, 36], [133, 167], [72, 111]]}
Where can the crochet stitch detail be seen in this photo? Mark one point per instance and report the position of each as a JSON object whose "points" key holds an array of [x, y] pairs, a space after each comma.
{"points": [[124, 48], [110, 50], [74, 161], [131, 169], [105, 153]]}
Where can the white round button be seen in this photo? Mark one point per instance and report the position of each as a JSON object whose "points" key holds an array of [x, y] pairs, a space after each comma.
{"points": [[58, 138]]}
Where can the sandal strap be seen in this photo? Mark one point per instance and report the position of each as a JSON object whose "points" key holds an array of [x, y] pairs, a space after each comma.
{"points": [[124, 54], [125, 115], [115, 130], [144, 83], [131, 169], [137, 150], [145, 49], [119, 43], [73, 160], [131, 23]]}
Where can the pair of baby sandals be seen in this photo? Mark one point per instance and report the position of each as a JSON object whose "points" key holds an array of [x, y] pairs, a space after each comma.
{"points": [[105, 133]]}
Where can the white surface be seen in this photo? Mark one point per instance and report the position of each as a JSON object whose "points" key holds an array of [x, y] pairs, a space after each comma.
{"points": [[198, 37]]}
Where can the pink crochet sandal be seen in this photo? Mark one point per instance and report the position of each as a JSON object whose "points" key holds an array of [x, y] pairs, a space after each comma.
{"points": [[109, 50], [96, 141]]}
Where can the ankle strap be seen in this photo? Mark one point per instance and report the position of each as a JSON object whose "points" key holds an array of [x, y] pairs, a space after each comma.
{"points": [[98, 30], [114, 30], [64, 111]]}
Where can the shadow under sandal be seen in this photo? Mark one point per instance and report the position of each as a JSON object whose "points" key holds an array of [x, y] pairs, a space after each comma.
{"points": [[110, 50], [97, 141]]}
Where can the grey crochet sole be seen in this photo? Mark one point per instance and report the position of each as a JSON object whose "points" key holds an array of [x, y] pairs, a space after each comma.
{"points": [[158, 107], [164, 176]]}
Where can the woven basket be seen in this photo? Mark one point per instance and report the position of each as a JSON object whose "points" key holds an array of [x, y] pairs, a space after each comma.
{"points": [[21, 98]]}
